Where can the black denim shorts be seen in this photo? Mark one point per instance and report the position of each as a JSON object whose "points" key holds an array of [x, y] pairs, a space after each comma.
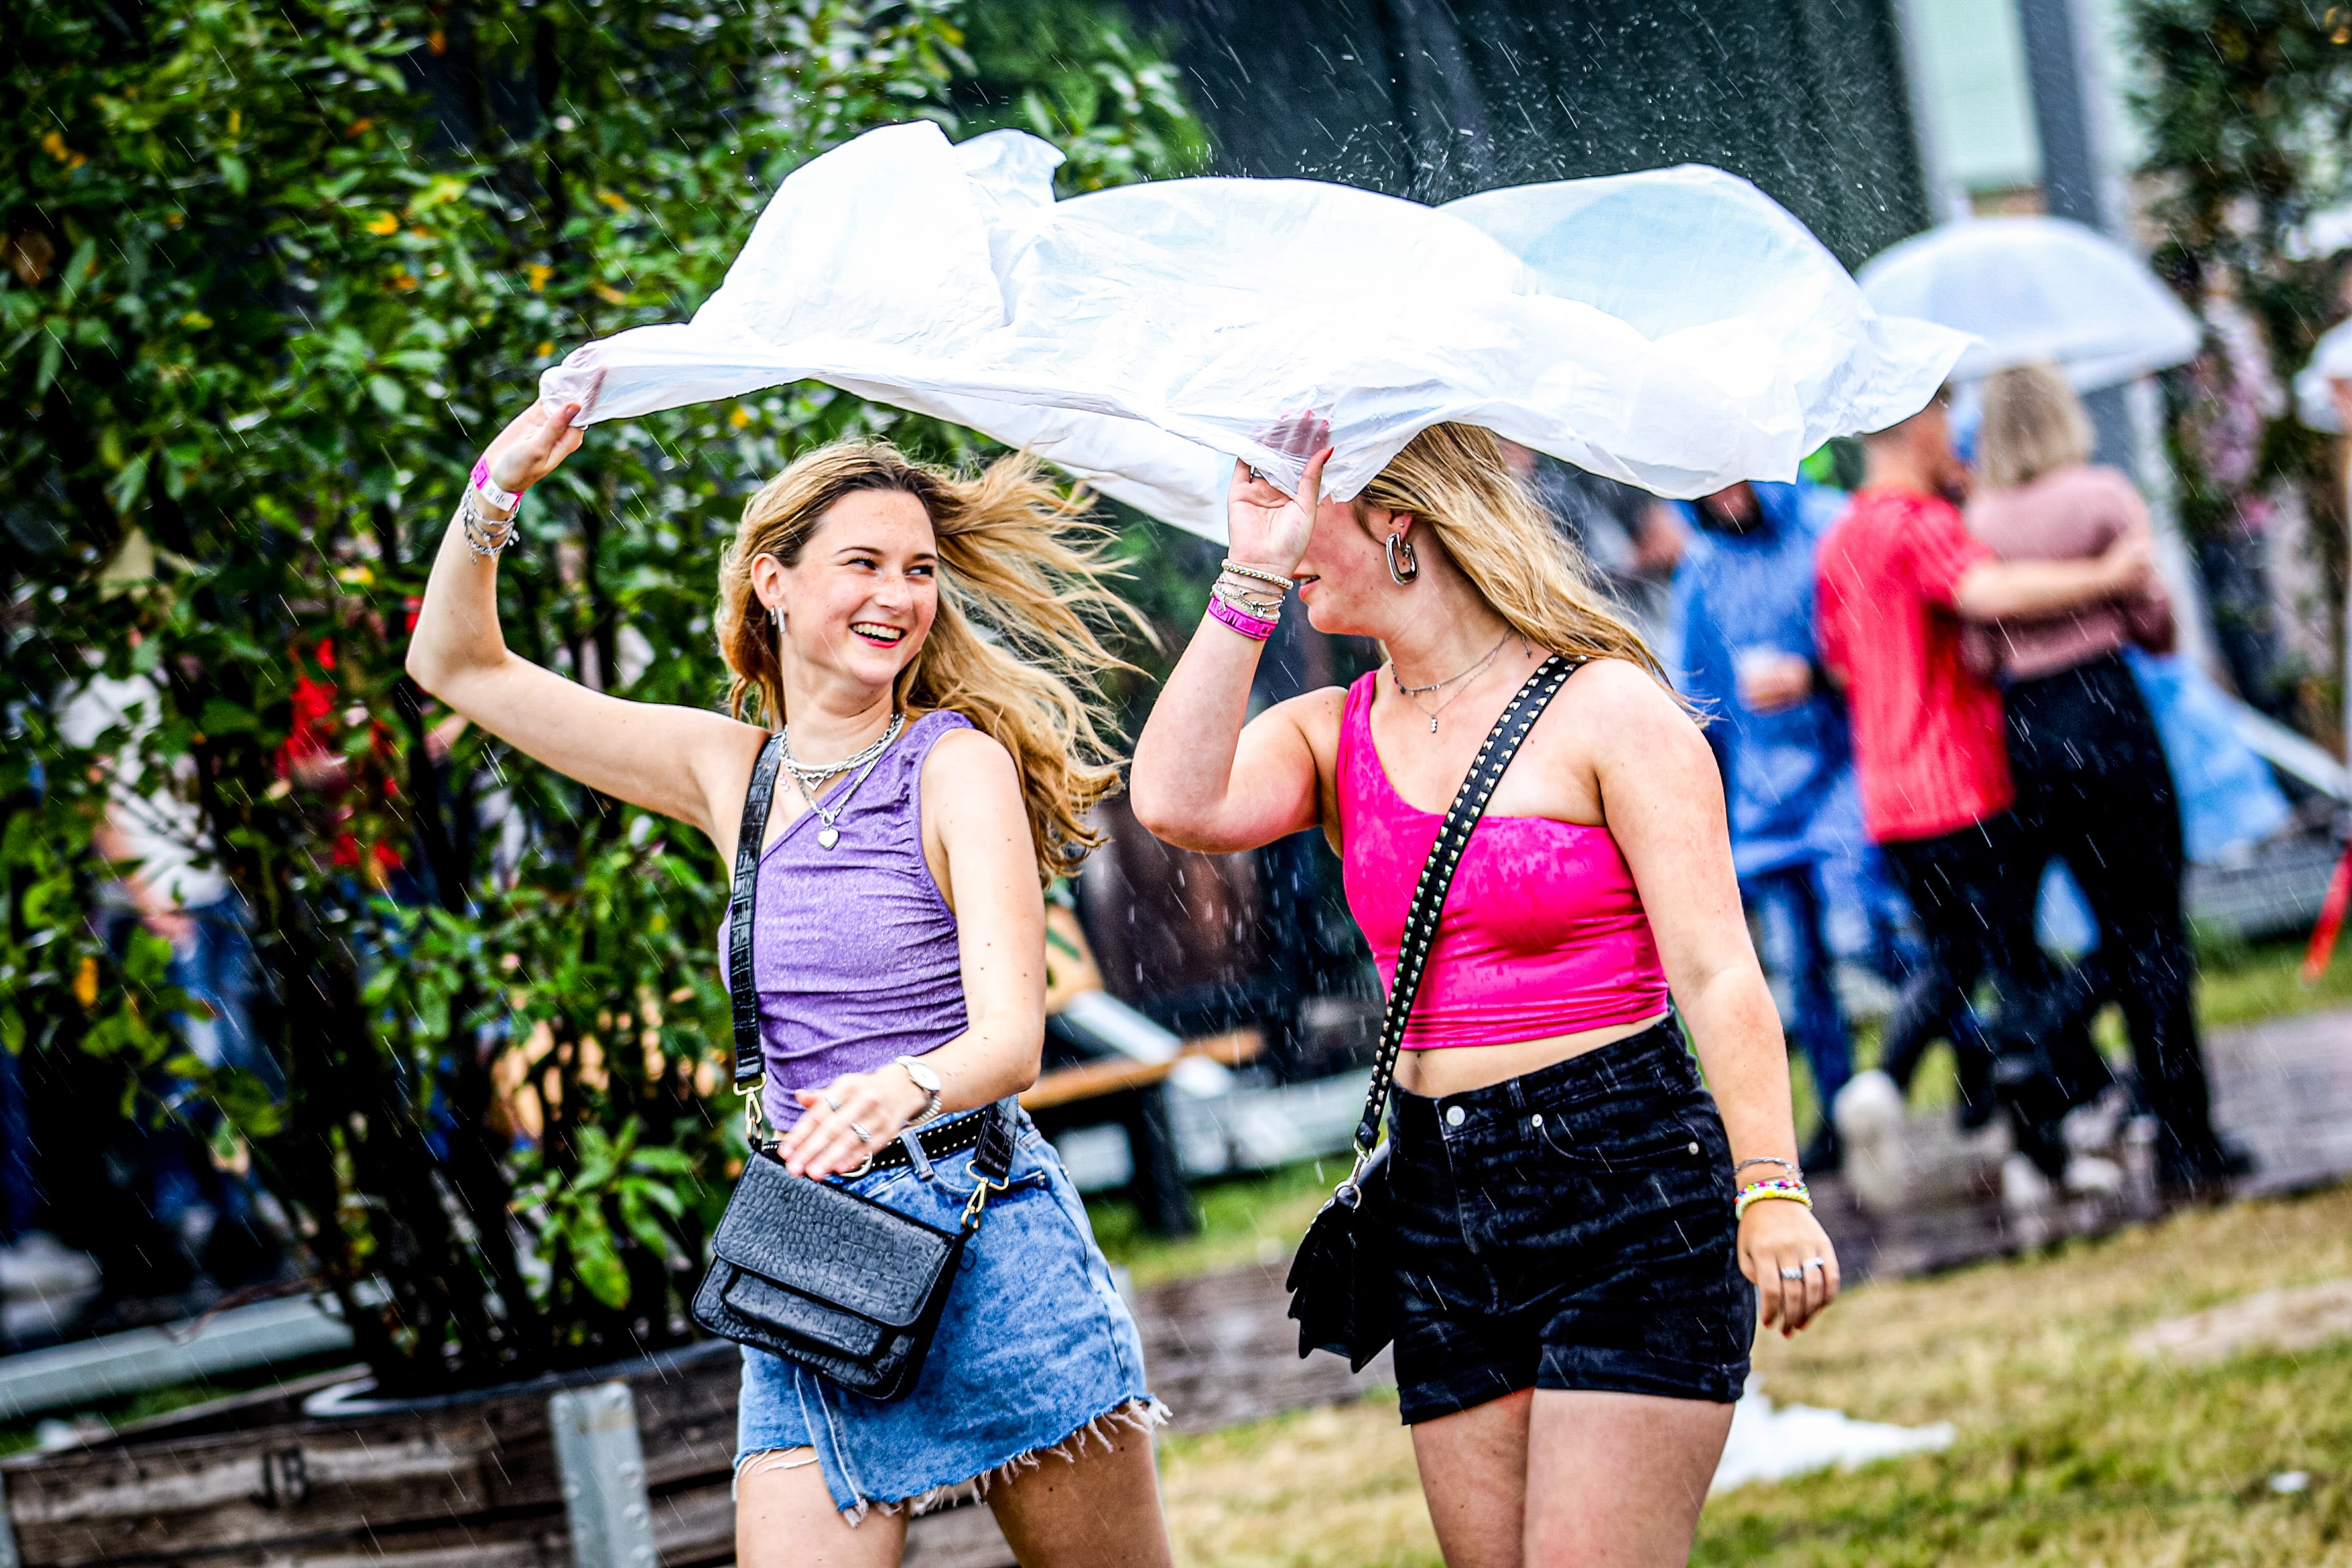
{"points": [[1569, 1228]]}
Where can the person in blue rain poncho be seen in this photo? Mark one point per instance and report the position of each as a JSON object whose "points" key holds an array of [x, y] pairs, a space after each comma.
{"points": [[1742, 607]]}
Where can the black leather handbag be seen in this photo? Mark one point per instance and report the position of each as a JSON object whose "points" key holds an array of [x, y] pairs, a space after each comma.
{"points": [[811, 1271], [1342, 1282]]}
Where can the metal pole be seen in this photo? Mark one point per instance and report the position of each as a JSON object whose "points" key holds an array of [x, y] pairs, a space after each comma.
{"points": [[602, 1467]]}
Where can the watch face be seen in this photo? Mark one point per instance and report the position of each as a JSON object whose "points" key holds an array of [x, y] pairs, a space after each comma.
{"points": [[925, 1078]]}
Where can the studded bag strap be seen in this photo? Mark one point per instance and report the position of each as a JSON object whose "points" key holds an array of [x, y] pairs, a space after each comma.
{"points": [[743, 993], [1502, 743]]}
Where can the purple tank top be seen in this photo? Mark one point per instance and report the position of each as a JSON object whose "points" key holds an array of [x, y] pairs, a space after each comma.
{"points": [[854, 950]]}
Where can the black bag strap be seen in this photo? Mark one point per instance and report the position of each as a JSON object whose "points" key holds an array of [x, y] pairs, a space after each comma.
{"points": [[1502, 743], [743, 995], [995, 1159]]}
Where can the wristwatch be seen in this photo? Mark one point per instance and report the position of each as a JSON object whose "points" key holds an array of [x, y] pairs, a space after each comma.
{"points": [[928, 1082]]}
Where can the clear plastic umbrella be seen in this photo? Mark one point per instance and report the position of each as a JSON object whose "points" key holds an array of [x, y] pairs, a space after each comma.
{"points": [[2036, 290], [1673, 329], [2331, 361]]}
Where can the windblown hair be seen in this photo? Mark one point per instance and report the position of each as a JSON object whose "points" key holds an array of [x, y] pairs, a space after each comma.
{"points": [[2033, 425], [1453, 477], [1015, 646]]}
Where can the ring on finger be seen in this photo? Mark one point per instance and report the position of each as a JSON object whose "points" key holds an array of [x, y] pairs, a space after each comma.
{"points": [[831, 1102], [860, 1134], [1820, 1263], [1793, 1274]]}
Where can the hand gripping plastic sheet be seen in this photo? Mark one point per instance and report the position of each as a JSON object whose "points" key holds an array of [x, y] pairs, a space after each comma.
{"points": [[1674, 329]]}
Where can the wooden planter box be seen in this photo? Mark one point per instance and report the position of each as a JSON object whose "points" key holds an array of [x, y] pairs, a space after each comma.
{"points": [[467, 1482], [473, 1481]]}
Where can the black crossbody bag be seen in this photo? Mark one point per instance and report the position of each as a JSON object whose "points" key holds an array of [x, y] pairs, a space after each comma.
{"points": [[1342, 1282], [808, 1270]]}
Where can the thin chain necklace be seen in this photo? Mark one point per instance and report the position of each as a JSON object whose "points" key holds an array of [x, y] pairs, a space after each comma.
{"points": [[809, 777], [1413, 693], [815, 773]]}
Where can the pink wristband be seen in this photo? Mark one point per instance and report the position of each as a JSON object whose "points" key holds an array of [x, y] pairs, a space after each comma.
{"points": [[505, 500], [1253, 627]]}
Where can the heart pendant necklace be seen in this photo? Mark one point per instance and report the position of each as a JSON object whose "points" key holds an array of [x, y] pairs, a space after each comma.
{"points": [[805, 777]]}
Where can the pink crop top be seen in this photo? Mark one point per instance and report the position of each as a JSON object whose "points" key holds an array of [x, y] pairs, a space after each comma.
{"points": [[1543, 933]]}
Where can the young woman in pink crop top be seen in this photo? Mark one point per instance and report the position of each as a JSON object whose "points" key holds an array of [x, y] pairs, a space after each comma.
{"points": [[1576, 1305]]}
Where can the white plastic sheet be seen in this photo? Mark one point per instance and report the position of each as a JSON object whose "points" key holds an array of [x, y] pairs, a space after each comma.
{"points": [[1676, 329], [2331, 360], [2034, 289]]}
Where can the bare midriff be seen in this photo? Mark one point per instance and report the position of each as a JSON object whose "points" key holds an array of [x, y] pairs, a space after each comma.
{"points": [[1457, 1069]]}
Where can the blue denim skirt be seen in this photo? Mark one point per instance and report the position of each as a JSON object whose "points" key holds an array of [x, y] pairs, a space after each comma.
{"points": [[1035, 1356]]}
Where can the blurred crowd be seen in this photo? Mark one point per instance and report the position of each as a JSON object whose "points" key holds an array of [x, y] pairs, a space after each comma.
{"points": [[1933, 698]]}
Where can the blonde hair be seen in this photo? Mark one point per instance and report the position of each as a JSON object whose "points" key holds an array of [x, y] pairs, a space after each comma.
{"points": [[1453, 477], [2033, 425], [1014, 646]]}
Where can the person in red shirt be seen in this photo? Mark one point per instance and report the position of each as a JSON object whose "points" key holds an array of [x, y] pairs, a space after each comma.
{"points": [[1900, 574]]}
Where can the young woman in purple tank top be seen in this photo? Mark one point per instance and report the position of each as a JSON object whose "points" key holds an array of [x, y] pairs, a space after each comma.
{"points": [[1578, 1220], [897, 948]]}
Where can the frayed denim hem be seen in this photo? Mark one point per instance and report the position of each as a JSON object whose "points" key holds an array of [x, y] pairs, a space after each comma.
{"points": [[1144, 1414]]}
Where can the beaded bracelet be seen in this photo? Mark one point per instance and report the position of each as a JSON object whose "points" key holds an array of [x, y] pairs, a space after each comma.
{"points": [[1238, 569], [1783, 1187]]}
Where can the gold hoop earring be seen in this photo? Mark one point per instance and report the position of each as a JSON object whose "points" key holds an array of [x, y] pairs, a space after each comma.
{"points": [[1403, 566]]}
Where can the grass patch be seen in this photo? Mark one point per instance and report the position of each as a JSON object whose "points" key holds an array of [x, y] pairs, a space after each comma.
{"points": [[2242, 983], [18, 1436], [2073, 1448], [1244, 1219]]}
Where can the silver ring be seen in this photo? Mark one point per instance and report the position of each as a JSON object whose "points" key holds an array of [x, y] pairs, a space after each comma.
{"points": [[828, 1099], [860, 1131], [1793, 1274], [1820, 1263], [1254, 472]]}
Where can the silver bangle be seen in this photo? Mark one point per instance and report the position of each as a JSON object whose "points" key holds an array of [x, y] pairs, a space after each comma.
{"points": [[1259, 609], [485, 538]]}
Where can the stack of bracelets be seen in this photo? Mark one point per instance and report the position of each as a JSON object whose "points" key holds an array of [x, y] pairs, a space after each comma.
{"points": [[1789, 1188], [484, 537], [1236, 600]]}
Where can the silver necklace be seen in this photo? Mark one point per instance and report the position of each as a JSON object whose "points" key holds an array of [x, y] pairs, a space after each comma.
{"points": [[815, 773], [1413, 693], [808, 778]]}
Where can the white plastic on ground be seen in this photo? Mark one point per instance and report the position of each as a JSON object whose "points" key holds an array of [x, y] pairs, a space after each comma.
{"points": [[1674, 329], [2036, 288], [1772, 1442]]}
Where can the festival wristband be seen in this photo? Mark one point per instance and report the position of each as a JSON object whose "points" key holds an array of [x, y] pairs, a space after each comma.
{"points": [[1253, 627], [488, 488]]}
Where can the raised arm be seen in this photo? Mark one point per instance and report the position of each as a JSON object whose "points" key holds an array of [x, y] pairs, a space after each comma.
{"points": [[681, 762], [2031, 590], [1663, 806], [1202, 779]]}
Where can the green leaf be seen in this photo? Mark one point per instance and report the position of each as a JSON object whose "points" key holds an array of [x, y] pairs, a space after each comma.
{"points": [[219, 717], [129, 485], [595, 1259], [387, 393]]}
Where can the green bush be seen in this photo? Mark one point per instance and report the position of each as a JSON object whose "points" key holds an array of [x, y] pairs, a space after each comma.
{"points": [[274, 273]]}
